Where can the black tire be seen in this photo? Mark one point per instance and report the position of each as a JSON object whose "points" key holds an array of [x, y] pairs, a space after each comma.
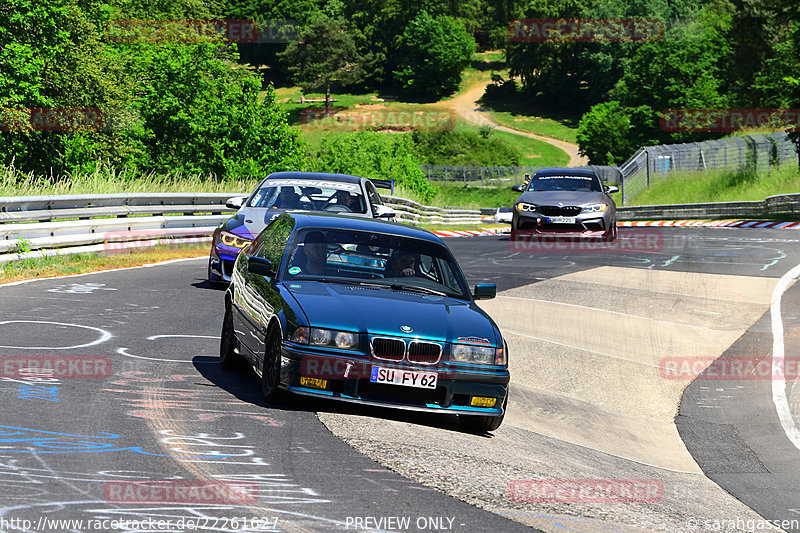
{"points": [[271, 369], [482, 424], [228, 358], [612, 236]]}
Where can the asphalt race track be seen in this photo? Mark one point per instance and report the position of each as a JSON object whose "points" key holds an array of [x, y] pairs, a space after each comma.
{"points": [[592, 336]]}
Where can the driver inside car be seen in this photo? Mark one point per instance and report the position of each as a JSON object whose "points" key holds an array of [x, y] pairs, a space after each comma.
{"points": [[345, 199], [401, 265]]}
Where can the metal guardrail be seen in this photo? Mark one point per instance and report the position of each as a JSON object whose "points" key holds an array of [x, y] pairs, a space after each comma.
{"points": [[499, 176], [34, 226]]}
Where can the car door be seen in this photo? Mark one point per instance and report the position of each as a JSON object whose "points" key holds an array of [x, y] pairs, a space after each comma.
{"points": [[256, 298]]}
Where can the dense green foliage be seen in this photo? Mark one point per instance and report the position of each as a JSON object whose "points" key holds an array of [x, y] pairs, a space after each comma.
{"points": [[198, 105], [376, 156], [165, 106], [452, 147], [432, 52]]}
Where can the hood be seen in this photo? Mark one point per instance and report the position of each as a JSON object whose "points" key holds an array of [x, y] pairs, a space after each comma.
{"points": [[564, 197], [380, 311], [249, 221]]}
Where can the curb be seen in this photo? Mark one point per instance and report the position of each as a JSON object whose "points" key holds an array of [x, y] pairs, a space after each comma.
{"points": [[753, 224], [749, 224], [470, 233]]}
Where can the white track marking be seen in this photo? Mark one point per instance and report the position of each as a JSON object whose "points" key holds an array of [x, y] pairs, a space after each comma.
{"points": [[154, 337], [104, 335], [778, 376], [124, 351]]}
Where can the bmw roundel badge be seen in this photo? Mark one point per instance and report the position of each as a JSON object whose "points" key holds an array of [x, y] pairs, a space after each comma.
{"points": [[406, 329]]}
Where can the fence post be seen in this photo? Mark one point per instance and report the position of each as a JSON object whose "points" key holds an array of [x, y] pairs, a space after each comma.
{"points": [[647, 165]]}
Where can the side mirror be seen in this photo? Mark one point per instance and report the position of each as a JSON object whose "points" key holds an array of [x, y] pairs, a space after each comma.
{"points": [[485, 291], [260, 266], [235, 202], [610, 189], [518, 188], [382, 211]]}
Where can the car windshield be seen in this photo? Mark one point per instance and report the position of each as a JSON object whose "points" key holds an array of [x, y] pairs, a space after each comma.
{"points": [[309, 195], [565, 183], [360, 257]]}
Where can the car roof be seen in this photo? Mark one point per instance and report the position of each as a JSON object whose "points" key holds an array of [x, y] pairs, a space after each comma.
{"points": [[338, 221], [565, 171], [346, 178]]}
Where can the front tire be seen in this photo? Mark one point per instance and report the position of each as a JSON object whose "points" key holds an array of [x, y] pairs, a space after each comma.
{"points": [[482, 424], [271, 369], [612, 235], [228, 358]]}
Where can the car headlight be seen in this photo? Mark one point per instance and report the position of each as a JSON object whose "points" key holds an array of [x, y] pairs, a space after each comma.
{"points": [[326, 337], [230, 239], [483, 355], [524, 206], [596, 208]]}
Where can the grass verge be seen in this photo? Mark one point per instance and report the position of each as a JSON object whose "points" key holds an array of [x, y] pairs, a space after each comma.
{"points": [[721, 186], [108, 180], [48, 267]]}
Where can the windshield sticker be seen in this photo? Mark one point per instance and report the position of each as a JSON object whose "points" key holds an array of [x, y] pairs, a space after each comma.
{"points": [[294, 270], [474, 340], [314, 183], [586, 178]]}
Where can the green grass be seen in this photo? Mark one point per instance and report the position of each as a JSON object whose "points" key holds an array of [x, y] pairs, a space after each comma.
{"points": [[107, 181], [564, 129], [721, 186], [48, 267], [534, 152]]}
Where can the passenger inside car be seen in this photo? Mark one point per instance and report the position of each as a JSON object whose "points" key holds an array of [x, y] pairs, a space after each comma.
{"points": [[287, 199], [401, 265]]}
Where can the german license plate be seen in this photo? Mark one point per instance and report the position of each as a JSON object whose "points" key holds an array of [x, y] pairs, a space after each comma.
{"points": [[405, 378], [561, 220]]}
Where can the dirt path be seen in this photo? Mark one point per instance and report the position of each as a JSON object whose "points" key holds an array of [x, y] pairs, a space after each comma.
{"points": [[465, 104]]}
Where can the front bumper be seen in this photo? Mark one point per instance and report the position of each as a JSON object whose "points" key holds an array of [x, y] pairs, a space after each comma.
{"points": [[587, 225], [220, 266], [456, 383]]}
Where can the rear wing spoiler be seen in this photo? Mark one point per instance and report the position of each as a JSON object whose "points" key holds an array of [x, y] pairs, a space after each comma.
{"points": [[384, 184]]}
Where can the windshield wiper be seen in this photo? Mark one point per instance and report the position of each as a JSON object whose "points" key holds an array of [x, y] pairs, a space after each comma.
{"points": [[415, 288]]}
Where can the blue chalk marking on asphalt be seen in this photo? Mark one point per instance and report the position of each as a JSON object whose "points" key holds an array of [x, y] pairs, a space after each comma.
{"points": [[671, 260], [54, 442], [38, 392]]}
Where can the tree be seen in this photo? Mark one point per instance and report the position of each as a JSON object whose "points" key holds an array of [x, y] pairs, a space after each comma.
{"points": [[324, 54], [603, 134], [432, 52]]}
